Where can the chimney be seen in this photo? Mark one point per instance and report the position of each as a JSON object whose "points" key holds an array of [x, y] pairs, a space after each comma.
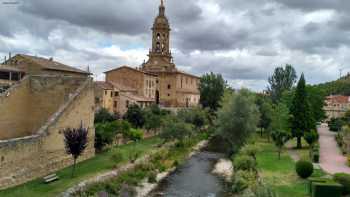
{"points": [[10, 58]]}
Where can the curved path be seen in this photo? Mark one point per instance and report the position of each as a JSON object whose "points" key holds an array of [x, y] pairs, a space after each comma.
{"points": [[331, 159]]}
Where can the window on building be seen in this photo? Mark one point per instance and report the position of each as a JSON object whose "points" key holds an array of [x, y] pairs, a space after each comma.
{"points": [[157, 81], [169, 95], [15, 77], [5, 75], [169, 86], [111, 93], [105, 92], [127, 103], [116, 93], [97, 100], [115, 104]]}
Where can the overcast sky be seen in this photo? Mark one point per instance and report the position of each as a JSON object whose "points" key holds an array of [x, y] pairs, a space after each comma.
{"points": [[244, 40]]}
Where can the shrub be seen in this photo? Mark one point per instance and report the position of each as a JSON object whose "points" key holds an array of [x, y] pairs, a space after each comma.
{"points": [[244, 162], [316, 180], [327, 189], [264, 191], [152, 177], [250, 150], [117, 157], [133, 156], [304, 169], [339, 139], [343, 179], [135, 115], [103, 116], [134, 134], [335, 124], [316, 157], [241, 180]]}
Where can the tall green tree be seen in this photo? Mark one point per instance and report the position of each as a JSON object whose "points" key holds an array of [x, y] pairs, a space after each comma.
{"points": [[316, 97], [279, 127], [135, 115], [237, 119], [282, 79], [302, 118], [211, 87], [265, 108]]}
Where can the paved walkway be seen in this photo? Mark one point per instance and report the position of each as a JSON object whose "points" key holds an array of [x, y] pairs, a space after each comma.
{"points": [[331, 159]]}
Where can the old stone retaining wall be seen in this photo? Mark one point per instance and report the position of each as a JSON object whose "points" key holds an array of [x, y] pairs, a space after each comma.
{"points": [[26, 158]]}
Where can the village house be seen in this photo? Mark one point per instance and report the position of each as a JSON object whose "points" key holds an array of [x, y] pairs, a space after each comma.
{"points": [[156, 81], [336, 106], [42, 97]]}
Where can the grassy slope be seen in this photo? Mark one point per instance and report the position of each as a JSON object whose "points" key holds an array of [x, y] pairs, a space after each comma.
{"points": [[99, 164], [280, 174]]}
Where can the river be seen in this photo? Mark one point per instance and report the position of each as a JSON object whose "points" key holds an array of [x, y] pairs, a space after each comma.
{"points": [[193, 179]]}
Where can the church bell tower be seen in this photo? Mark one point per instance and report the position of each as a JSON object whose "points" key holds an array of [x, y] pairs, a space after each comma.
{"points": [[160, 57]]}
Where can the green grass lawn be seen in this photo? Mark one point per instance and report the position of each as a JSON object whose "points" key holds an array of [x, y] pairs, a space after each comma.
{"points": [[280, 174], [303, 153], [100, 163]]}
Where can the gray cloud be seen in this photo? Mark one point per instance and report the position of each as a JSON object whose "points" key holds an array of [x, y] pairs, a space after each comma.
{"points": [[242, 39]]}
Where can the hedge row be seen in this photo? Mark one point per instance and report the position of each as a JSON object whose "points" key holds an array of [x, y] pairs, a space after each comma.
{"points": [[323, 187]]}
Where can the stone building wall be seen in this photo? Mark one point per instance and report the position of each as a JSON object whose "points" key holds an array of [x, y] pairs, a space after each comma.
{"points": [[26, 158], [130, 77], [27, 106]]}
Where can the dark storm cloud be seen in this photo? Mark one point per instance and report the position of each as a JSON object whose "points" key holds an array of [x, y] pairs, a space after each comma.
{"points": [[131, 17], [266, 33]]}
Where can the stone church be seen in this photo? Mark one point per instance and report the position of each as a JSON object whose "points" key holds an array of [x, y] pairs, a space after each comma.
{"points": [[156, 81]]}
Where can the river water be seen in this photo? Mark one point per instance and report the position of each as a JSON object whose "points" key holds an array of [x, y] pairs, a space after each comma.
{"points": [[193, 179]]}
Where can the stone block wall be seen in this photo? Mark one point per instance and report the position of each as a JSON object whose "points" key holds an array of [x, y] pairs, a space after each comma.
{"points": [[30, 103], [26, 158]]}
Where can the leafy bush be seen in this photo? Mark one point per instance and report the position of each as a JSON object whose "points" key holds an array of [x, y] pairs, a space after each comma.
{"points": [[117, 157], [264, 191], [304, 169], [103, 116], [104, 135], [244, 162], [249, 150], [343, 179], [311, 137], [134, 155], [316, 157], [339, 139], [134, 134], [175, 129], [152, 177], [327, 189], [196, 116], [135, 115], [316, 153], [241, 180], [335, 124]]}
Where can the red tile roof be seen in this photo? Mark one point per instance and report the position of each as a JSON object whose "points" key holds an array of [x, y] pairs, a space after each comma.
{"points": [[338, 99]]}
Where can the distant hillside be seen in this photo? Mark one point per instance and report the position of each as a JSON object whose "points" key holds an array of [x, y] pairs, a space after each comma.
{"points": [[340, 86]]}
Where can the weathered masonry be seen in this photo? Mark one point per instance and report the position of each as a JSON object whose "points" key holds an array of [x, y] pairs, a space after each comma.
{"points": [[33, 113]]}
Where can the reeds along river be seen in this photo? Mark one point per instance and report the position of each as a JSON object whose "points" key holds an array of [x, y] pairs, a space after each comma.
{"points": [[193, 179]]}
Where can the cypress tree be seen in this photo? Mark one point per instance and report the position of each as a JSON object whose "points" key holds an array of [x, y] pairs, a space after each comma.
{"points": [[302, 119]]}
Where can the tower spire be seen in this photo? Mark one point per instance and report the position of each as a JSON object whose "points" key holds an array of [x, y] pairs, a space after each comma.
{"points": [[161, 8]]}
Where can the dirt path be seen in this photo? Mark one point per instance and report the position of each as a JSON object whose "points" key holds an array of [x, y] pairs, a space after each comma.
{"points": [[331, 159]]}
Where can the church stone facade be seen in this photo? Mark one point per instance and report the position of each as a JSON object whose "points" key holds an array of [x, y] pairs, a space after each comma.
{"points": [[172, 88]]}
